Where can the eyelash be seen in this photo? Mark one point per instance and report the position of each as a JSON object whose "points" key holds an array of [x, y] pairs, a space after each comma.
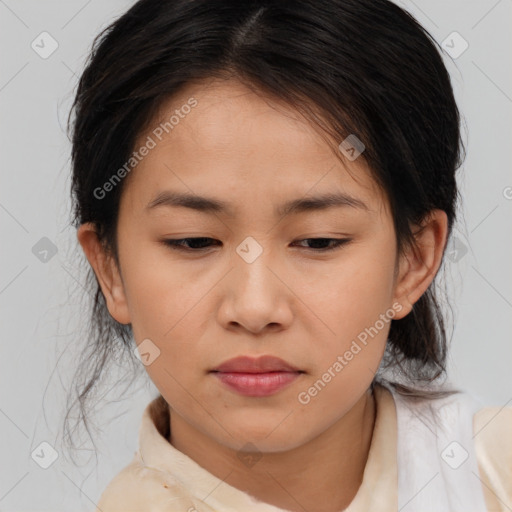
{"points": [[177, 244]]}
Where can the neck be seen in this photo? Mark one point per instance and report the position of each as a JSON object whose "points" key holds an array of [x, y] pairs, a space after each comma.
{"points": [[332, 464]]}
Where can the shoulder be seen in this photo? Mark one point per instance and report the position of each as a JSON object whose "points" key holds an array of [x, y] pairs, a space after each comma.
{"points": [[138, 488], [492, 428]]}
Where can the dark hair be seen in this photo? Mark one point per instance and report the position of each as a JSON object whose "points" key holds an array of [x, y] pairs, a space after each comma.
{"points": [[363, 67]]}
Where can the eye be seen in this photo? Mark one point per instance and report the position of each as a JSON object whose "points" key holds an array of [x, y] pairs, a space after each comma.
{"points": [[336, 243], [178, 244], [201, 243]]}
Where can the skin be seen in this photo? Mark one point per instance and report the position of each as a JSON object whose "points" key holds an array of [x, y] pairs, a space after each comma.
{"points": [[305, 307]]}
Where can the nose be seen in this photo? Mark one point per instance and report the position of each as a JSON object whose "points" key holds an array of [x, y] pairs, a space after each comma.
{"points": [[255, 296]]}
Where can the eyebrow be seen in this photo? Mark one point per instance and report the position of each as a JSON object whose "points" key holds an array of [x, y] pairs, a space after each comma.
{"points": [[212, 206]]}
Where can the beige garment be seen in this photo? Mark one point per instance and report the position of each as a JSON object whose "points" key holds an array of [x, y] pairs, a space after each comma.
{"points": [[160, 478]]}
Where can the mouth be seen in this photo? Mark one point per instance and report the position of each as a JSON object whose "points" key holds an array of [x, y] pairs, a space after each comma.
{"points": [[257, 377]]}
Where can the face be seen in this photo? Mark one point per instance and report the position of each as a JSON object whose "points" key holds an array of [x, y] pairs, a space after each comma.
{"points": [[255, 281]]}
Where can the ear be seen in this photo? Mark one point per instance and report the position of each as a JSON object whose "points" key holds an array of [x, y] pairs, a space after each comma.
{"points": [[419, 265], [106, 271]]}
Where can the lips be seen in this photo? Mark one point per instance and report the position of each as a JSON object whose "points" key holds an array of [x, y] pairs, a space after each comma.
{"points": [[256, 377], [262, 364]]}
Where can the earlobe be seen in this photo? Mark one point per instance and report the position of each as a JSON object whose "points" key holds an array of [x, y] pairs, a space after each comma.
{"points": [[106, 271], [419, 265]]}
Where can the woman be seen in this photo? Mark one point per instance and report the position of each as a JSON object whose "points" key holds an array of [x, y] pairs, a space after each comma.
{"points": [[264, 191]]}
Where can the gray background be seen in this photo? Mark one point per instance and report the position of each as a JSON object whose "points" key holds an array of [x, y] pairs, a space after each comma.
{"points": [[39, 305]]}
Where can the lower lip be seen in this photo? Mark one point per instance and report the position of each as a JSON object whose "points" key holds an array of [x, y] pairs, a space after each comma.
{"points": [[257, 384]]}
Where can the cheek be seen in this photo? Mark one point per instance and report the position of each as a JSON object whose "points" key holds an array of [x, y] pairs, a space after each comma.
{"points": [[351, 294], [157, 292], [354, 303]]}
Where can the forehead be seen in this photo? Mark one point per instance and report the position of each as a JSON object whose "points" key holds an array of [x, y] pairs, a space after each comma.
{"points": [[235, 142]]}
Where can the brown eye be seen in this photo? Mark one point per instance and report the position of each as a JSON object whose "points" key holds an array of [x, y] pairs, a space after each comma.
{"points": [[195, 244], [336, 243]]}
